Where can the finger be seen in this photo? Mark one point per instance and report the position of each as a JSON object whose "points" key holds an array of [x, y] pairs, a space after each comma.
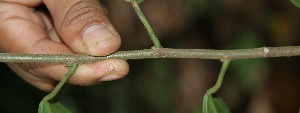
{"points": [[49, 26], [86, 74], [83, 26], [42, 84], [31, 38], [107, 70], [31, 3]]}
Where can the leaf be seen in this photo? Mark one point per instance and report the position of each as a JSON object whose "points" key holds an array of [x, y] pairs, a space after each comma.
{"points": [[296, 3], [214, 104], [52, 106], [138, 1]]}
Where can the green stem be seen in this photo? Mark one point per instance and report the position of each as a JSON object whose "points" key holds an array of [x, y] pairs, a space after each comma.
{"points": [[61, 83], [146, 24], [220, 78]]}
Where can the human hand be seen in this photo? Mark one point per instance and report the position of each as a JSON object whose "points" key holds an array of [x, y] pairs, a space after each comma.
{"points": [[73, 26]]}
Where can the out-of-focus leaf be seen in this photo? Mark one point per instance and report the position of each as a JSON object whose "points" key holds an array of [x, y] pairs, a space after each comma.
{"points": [[214, 104], [52, 106], [296, 3], [138, 1]]}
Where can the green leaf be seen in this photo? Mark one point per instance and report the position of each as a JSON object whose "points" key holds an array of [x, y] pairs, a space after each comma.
{"points": [[296, 3], [214, 104], [138, 1], [52, 106]]}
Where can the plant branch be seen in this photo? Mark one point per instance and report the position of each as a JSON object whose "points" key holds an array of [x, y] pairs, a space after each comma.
{"points": [[220, 79], [146, 24], [264, 52], [61, 83], [48, 105]]}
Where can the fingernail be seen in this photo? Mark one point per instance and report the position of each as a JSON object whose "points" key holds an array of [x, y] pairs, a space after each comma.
{"points": [[109, 77], [95, 35]]}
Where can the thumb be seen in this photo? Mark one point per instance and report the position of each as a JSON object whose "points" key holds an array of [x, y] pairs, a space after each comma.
{"points": [[83, 26]]}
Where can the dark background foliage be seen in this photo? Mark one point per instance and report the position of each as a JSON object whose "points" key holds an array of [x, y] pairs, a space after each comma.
{"points": [[178, 85]]}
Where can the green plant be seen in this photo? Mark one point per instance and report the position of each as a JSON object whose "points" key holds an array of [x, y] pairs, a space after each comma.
{"points": [[296, 3], [211, 103]]}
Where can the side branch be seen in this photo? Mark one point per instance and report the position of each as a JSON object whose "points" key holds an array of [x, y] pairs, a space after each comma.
{"points": [[264, 52]]}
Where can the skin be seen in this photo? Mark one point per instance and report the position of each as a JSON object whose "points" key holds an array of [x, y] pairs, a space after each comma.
{"points": [[67, 27]]}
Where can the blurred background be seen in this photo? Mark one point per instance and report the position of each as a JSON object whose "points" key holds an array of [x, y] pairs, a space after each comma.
{"points": [[178, 85]]}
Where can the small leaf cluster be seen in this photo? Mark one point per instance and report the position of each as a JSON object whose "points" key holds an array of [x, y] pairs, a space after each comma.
{"points": [[52, 106]]}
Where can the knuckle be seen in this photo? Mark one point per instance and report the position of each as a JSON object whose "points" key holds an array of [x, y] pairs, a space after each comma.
{"points": [[81, 13]]}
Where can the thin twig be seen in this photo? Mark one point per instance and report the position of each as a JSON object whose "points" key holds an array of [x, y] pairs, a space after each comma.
{"points": [[264, 52], [208, 101], [218, 84], [146, 24], [61, 83], [44, 106]]}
